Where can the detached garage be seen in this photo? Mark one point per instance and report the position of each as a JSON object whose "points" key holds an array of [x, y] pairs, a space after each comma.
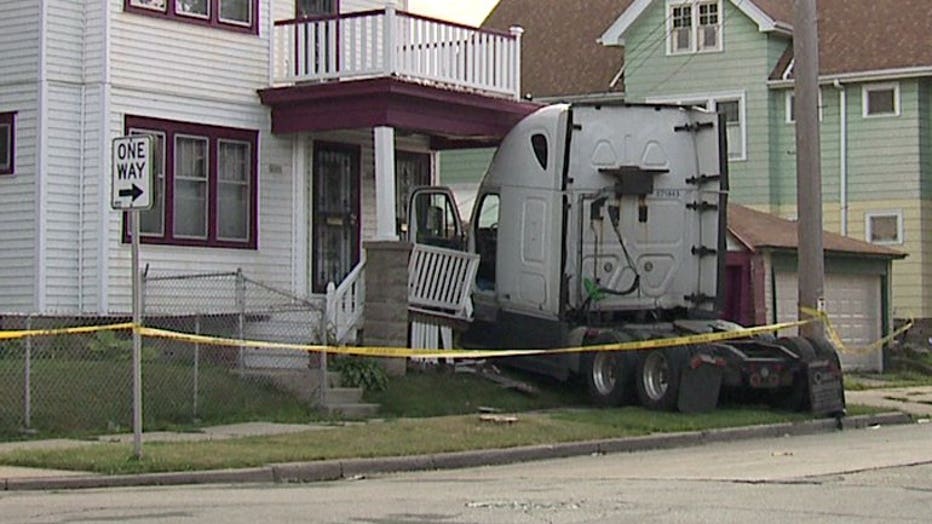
{"points": [[761, 281]]}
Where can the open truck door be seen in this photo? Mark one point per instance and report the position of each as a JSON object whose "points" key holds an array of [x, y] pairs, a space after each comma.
{"points": [[434, 219]]}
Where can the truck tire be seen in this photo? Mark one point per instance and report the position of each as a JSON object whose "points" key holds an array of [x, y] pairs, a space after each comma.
{"points": [[608, 374], [825, 350], [658, 376], [796, 398]]}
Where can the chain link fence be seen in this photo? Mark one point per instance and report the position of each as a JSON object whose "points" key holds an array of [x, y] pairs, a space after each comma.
{"points": [[81, 383]]}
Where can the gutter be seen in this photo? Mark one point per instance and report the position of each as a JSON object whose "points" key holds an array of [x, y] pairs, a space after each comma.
{"points": [[862, 76]]}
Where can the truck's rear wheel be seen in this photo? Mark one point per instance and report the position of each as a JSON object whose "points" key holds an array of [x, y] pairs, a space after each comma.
{"points": [[608, 374], [796, 398], [658, 377]]}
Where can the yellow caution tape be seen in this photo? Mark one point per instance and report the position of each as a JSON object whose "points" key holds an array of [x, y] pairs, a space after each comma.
{"points": [[398, 352], [12, 335], [835, 338]]}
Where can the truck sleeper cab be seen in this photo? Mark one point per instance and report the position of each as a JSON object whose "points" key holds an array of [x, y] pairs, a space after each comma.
{"points": [[598, 224]]}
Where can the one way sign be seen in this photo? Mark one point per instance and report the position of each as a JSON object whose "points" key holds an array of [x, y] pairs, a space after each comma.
{"points": [[132, 172]]}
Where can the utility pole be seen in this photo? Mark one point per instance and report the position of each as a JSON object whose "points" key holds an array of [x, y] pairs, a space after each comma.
{"points": [[811, 263]]}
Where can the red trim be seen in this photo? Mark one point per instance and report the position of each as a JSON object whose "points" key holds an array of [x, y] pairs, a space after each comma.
{"points": [[10, 119], [213, 20], [396, 103], [213, 134]]}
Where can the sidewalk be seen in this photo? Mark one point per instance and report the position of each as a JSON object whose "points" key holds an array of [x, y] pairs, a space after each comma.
{"points": [[916, 401], [910, 403]]}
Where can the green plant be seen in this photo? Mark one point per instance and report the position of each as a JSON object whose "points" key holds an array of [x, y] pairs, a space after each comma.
{"points": [[360, 372], [107, 345]]}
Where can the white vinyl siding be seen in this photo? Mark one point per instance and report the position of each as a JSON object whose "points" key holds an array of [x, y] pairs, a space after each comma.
{"points": [[206, 63], [17, 209], [19, 43]]}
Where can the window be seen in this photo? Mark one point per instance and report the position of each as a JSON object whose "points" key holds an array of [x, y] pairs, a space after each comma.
{"points": [[709, 26], [539, 145], [306, 8], [235, 15], [486, 238], [682, 34], [205, 184], [152, 220], [881, 100], [694, 26], [884, 227], [7, 143], [791, 106], [411, 170]]}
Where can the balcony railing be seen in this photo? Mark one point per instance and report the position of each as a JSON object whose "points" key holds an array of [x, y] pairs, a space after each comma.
{"points": [[387, 42]]}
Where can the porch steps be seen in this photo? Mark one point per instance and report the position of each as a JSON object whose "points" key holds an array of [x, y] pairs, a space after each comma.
{"points": [[346, 402], [304, 384]]}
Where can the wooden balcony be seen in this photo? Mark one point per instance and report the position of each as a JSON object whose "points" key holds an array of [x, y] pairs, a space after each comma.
{"points": [[396, 44]]}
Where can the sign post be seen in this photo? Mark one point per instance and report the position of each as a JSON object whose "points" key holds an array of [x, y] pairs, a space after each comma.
{"points": [[131, 190]]}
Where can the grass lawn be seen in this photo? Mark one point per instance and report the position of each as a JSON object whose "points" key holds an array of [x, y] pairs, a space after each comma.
{"points": [[425, 413], [389, 438], [82, 397]]}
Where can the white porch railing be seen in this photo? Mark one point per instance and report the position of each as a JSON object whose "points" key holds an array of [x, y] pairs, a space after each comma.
{"points": [[345, 304], [440, 281], [387, 42]]}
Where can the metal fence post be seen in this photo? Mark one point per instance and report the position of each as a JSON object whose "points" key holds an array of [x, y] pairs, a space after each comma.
{"points": [[241, 310], [197, 361], [27, 379], [328, 322]]}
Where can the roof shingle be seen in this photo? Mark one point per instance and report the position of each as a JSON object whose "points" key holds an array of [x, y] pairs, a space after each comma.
{"points": [[560, 52], [756, 229]]}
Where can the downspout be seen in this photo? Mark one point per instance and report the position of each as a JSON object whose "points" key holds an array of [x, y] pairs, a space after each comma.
{"points": [[41, 176], [103, 192], [843, 155]]}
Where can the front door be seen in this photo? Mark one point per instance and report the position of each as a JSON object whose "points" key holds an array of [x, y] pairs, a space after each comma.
{"points": [[336, 213]]}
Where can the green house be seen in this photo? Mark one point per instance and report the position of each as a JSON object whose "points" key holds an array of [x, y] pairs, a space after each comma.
{"points": [[736, 57]]}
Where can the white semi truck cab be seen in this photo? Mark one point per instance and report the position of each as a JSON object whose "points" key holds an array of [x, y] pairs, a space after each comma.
{"points": [[598, 224]]}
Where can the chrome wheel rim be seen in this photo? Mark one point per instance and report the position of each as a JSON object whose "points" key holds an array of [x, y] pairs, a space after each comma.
{"points": [[656, 375], [603, 373]]}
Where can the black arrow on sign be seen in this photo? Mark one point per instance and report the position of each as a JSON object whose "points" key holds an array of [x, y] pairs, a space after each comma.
{"points": [[134, 192]]}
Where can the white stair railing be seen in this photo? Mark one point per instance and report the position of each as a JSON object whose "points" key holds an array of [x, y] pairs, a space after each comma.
{"points": [[345, 304]]}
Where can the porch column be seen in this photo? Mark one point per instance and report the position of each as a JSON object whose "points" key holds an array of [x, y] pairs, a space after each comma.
{"points": [[385, 184]]}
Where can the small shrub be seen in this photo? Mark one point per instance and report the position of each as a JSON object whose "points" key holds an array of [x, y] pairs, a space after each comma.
{"points": [[359, 372]]}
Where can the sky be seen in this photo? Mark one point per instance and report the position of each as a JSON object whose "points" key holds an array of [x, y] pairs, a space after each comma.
{"points": [[471, 12]]}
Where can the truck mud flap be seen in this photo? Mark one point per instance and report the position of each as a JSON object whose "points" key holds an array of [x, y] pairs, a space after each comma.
{"points": [[700, 384], [826, 390]]}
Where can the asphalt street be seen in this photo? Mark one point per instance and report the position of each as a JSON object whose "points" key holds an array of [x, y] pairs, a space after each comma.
{"points": [[883, 474]]}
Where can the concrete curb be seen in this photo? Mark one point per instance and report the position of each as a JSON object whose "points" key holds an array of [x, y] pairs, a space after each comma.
{"points": [[353, 468]]}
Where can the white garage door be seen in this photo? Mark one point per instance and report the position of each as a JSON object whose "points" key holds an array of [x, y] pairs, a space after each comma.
{"points": [[854, 306]]}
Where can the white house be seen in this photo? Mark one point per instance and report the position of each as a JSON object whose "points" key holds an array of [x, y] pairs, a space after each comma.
{"points": [[289, 133]]}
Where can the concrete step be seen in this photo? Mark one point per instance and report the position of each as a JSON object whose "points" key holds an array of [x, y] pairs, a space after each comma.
{"points": [[337, 396], [354, 410]]}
